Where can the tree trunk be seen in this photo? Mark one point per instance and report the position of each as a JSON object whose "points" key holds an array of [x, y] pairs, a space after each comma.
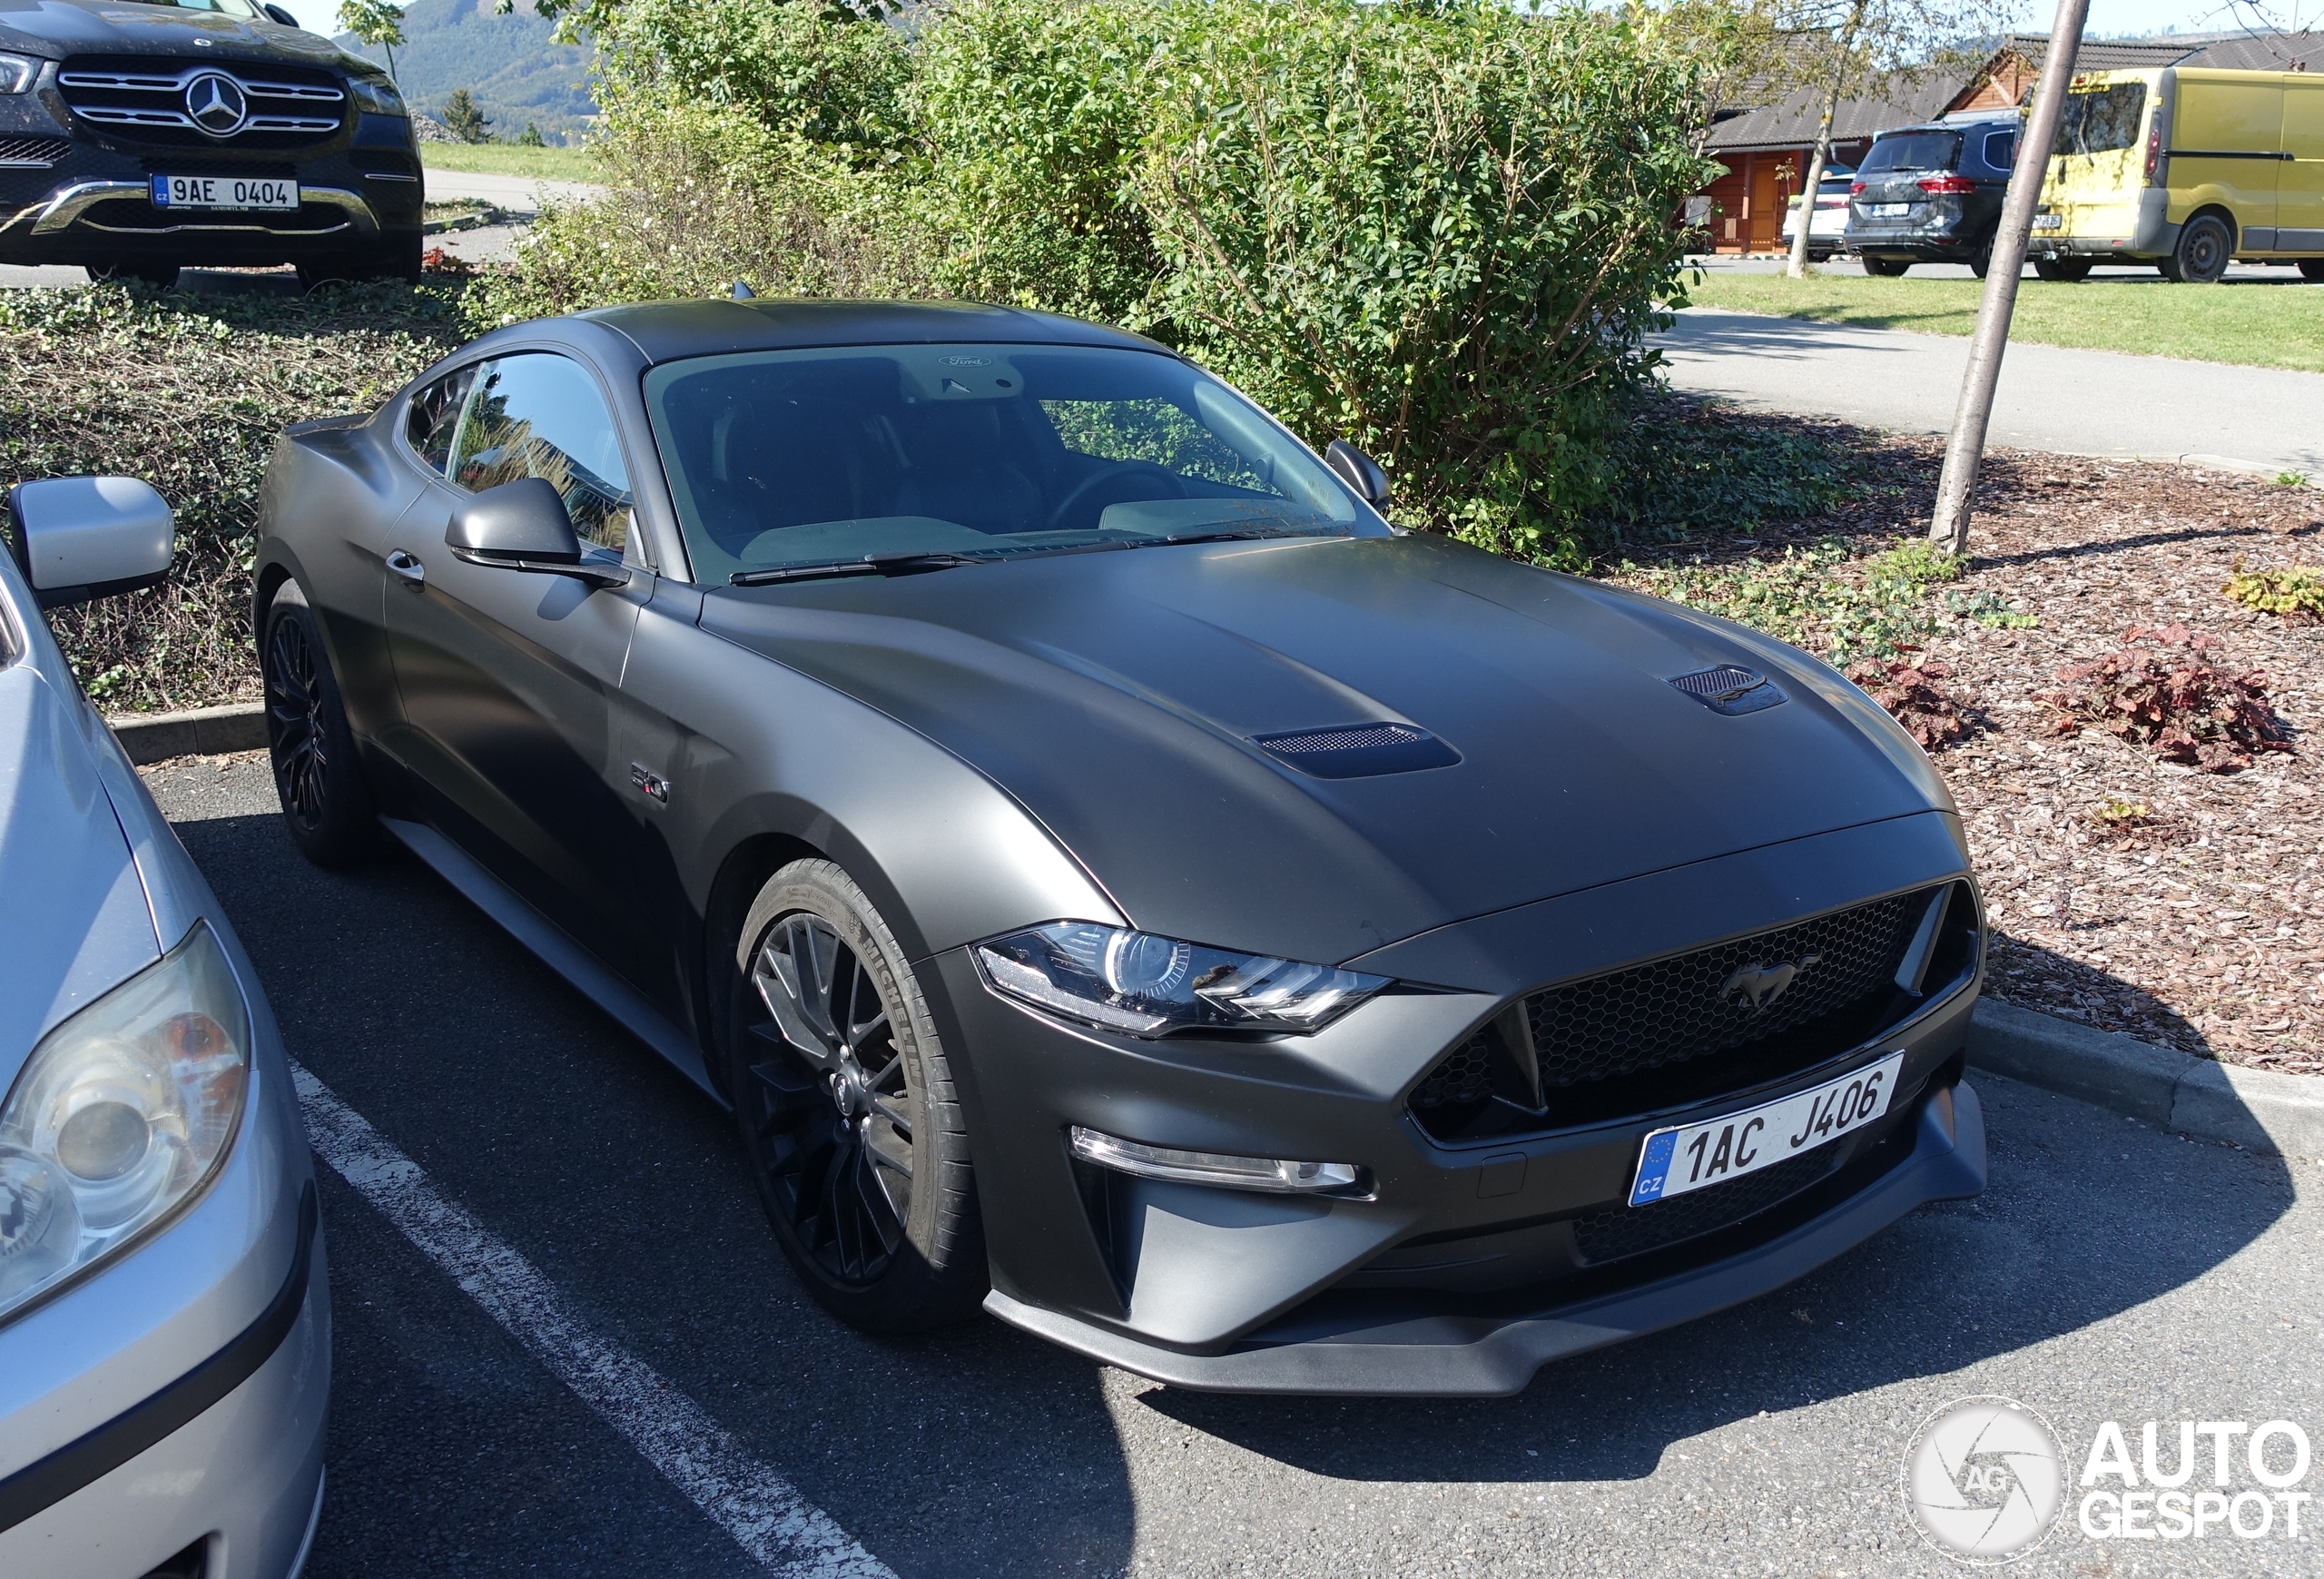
{"points": [[1797, 268], [1964, 451]]}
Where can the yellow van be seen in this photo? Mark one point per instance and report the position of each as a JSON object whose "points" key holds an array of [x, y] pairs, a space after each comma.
{"points": [[2186, 168]]}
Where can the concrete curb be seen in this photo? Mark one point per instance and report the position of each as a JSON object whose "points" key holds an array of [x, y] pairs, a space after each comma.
{"points": [[2279, 1114], [197, 732]]}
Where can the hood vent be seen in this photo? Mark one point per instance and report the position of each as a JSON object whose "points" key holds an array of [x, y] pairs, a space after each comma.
{"points": [[1730, 689], [1358, 750]]}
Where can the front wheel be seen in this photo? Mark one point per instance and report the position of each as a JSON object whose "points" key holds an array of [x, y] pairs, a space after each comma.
{"points": [[2064, 270], [849, 1116], [2311, 269], [1887, 268], [2206, 246], [326, 800]]}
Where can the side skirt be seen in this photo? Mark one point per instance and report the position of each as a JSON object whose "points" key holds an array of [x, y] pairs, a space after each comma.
{"points": [[559, 952]]}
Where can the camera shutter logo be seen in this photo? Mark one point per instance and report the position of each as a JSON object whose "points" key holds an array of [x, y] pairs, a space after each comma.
{"points": [[214, 101], [1985, 1479]]}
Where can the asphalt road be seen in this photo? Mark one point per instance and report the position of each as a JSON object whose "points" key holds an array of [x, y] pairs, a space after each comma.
{"points": [[2076, 402], [2110, 1272]]}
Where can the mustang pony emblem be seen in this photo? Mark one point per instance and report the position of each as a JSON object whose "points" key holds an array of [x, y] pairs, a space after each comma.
{"points": [[1757, 986]]}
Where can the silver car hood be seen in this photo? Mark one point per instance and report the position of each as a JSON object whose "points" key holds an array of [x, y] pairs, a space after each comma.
{"points": [[74, 921]]}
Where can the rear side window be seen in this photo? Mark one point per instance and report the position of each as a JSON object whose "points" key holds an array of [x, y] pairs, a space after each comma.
{"points": [[2001, 149], [2100, 120], [435, 412], [1913, 151], [538, 414]]}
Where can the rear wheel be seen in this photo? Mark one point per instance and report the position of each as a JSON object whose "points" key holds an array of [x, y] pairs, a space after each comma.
{"points": [[848, 1113], [396, 258], [2205, 248], [326, 800], [1887, 268], [2311, 268], [1981, 261], [2066, 270]]}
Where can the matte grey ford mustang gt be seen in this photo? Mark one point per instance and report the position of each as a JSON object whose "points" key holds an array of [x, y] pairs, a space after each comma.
{"points": [[1114, 877]]}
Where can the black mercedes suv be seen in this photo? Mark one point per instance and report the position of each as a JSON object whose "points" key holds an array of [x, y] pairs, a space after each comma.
{"points": [[137, 136], [1932, 195]]}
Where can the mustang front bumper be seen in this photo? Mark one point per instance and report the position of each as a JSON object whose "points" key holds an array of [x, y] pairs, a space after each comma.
{"points": [[1459, 1267]]}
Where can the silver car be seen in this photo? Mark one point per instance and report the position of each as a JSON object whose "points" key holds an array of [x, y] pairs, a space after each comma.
{"points": [[164, 1322]]}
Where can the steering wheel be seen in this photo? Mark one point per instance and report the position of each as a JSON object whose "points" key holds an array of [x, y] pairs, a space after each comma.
{"points": [[1106, 474]]}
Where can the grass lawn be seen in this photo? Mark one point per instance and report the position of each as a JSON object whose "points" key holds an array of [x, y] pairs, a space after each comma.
{"points": [[2250, 324], [508, 159]]}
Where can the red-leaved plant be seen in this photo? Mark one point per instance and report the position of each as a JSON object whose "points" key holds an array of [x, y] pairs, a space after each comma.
{"points": [[1912, 691], [2167, 691]]}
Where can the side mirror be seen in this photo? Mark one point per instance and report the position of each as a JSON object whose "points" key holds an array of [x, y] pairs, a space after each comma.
{"points": [[1359, 471], [80, 538], [280, 14], [523, 526]]}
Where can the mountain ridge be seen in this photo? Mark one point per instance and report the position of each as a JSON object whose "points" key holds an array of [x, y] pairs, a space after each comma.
{"points": [[512, 65]]}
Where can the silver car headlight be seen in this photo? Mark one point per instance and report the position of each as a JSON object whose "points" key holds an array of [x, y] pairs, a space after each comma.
{"points": [[122, 1115], [1150, 986], [378, 96], [18, 73]]}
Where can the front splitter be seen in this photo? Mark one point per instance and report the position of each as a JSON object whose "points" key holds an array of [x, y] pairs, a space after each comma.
{"points": [[1452, 1356]]}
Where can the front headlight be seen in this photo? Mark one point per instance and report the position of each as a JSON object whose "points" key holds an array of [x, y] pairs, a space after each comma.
{"points": [[1151, 986], [18, 73], [378, 96], [121, 1114]]}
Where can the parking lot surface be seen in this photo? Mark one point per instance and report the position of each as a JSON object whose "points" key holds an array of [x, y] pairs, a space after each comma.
{"points": [[2052, 398], [574, 1424]]}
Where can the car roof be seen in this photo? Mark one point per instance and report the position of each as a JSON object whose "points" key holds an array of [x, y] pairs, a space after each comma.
{"points": [[670, 331]]}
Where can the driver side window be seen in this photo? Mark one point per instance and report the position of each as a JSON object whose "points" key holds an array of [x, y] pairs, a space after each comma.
{"points": [[538, 414]]}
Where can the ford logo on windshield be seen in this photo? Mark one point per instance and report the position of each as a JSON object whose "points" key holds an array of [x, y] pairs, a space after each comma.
{"points": [[214, 101], [963, 362]]}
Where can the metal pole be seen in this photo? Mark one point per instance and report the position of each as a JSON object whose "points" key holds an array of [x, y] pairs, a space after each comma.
{"points": [[1966, 448]]}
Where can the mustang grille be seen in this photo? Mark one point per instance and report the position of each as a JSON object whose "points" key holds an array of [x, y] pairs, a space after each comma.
{"points": [[1632, 1230], [1684, 1008]]}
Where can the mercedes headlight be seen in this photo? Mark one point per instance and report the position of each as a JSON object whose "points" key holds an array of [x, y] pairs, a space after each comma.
{"points": [[18, 73], [1150, 986], [378, 96], [122, 1115]]}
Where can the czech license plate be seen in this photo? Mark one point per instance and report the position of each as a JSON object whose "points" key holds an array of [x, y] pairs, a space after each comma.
{"points": [[223, 191], [2049, 221], [1887, 211], [1691, 1156]]}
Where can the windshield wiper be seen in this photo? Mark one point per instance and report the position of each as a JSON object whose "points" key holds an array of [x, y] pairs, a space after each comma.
{"points": [[869, 565], [1225, 535]]}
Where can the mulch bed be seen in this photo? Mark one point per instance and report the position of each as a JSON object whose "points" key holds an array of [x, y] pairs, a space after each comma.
{"points": [[2200, 922]]}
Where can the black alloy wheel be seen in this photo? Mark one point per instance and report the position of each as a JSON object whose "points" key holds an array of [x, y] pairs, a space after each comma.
{"points": [[847, 1111], [2206, 246], [326, 801], [1981, 261]]}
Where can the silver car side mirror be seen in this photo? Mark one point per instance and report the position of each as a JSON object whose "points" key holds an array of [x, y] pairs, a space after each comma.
{"points": [[1359, 471], [523, 526], [80, 538]]}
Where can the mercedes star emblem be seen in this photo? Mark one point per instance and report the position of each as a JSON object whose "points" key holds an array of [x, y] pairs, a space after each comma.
{"points": [[216, 101]]}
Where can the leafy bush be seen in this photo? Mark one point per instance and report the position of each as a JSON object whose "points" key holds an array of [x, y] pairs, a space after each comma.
{"points": [[700, 196], [2297, 593], [1877, 607], [1912, 691], [1440, 231], [2164, 691], [1688, 469], [190, 393]]}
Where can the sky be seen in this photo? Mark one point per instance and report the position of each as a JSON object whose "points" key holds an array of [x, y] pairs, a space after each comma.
{"points": [[2108, 18]]}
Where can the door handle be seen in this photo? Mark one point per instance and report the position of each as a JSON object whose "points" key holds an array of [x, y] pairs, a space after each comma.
{"points": [[414, 573]]}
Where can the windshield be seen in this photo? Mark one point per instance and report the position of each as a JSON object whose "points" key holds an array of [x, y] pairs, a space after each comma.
{"points": [[811, 457], [1913, 151], [2100, 120], [246, 9]]}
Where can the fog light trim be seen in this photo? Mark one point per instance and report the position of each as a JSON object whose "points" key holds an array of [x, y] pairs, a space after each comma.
{"points": [[1276, 1175]]}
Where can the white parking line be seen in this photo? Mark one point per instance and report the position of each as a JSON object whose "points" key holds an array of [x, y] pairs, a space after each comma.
{"points": [[766, 1515]]}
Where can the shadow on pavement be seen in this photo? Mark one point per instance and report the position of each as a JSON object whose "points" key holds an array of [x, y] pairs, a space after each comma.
{"points": [[452, 1452]]}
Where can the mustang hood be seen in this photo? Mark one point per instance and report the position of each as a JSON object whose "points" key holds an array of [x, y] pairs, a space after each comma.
{"points": [[1117, 694], [75, 922], [69, 27]]}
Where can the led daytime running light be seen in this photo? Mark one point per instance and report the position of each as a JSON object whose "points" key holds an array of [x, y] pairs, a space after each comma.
{"points": [[1273, 1175]]}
